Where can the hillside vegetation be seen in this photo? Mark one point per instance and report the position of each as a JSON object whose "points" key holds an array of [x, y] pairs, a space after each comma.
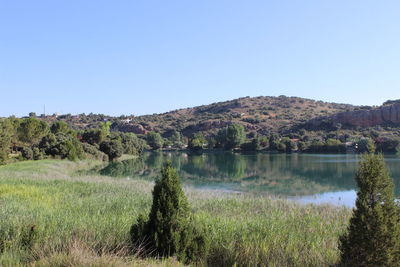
{"points": [[282, 124], [258, 114]]}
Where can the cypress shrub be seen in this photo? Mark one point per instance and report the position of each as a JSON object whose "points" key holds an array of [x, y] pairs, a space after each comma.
{"points": [[372, 238], [169, 229]]}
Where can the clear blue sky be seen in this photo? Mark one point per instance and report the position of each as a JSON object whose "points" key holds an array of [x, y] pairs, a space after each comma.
{"points": [[139, 57]]}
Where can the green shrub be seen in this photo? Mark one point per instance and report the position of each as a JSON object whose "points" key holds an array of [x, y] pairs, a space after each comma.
{"points": [[37, 153], [94, 136], [170, 229], [113, 149], [61, 127], [27, 153], [131, 144], [94, 152], [252, 145], [62, 145], [373, 234]]}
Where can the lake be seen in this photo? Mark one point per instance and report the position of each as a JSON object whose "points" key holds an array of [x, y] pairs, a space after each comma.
{"points": [[306, 178]]}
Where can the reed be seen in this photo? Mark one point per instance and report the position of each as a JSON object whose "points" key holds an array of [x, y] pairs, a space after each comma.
{"points": [[52, 214]]}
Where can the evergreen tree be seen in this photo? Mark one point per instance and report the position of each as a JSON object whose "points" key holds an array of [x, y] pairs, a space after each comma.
{"points": [[373, 237], [6, 132], [31, 130], [170, 229]]}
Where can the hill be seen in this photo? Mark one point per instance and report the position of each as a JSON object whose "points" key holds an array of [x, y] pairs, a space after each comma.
{"points": [[262, 115], [282, 124]]}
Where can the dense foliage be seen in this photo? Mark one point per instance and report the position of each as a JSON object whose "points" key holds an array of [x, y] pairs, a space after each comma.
{"points": [[170, 229], [373, 235], [154, 140], [33, 139], [62, 145], [197, 142], [113, 148], [312, 126], [231, 137]]}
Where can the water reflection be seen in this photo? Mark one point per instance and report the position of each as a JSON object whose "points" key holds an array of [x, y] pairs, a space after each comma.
{"points": [[306, 176]]}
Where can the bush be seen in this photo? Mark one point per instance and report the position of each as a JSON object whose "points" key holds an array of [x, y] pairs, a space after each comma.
{"points": [[170, 230], [27, 153], [131, 144], [94, 152], [37, 153], [62, 145], [252, 145], [61, 127], [113, 149], [373, 234], [94, 136]]}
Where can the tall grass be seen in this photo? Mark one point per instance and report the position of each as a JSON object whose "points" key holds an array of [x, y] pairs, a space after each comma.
{"points": [[49, 213]]}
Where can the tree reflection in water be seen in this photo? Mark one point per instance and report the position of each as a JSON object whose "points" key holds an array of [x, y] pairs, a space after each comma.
{"points": [[278, 174]]}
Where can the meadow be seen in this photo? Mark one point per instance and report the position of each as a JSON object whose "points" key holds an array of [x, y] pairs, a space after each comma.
{"points": [[53, 214]]}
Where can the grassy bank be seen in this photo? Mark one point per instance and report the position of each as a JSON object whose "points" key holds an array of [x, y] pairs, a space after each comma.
{"points": [[50, 216]]}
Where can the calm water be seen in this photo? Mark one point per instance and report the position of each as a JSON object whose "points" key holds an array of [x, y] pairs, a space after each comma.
{"points": [[307, 178]]}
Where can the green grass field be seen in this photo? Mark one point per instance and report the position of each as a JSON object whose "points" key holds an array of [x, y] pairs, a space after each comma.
{"points": [[51, 216]]}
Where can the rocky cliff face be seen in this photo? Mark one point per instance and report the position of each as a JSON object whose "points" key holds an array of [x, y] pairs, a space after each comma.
{"points": [[384, 115]]}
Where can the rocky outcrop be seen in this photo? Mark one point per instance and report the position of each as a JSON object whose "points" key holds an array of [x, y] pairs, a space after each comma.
{"points": [[383, 115]]}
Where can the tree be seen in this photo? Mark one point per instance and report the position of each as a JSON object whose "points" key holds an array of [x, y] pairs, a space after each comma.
{"points": [[154, 140], [232, 136], [93, 136], [169, 229], [289, 144], [366, 145], [6, 134], [197, 142], [61, 127], [31, 130], [105, 128], [252, 145], [176, 139], [372, 238], [334, 146], [387, 145], [113, 149], [302, 146], [62, 145], [132, 144]]}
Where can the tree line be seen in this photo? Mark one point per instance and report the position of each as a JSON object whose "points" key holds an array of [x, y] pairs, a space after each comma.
{"points": [[31, 138], [34, 139]]}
